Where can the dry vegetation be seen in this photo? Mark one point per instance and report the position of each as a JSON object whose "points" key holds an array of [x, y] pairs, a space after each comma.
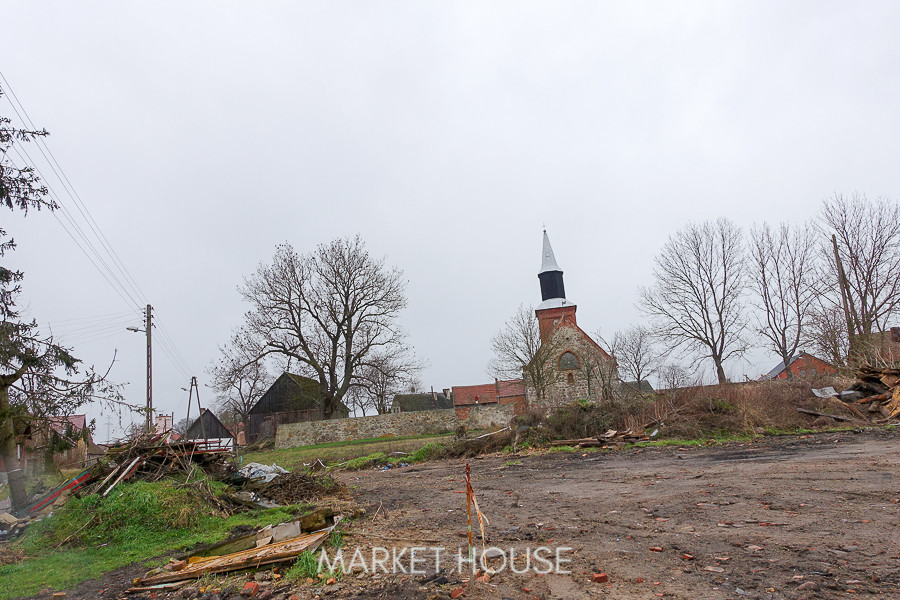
{"points": [[696, 412]]}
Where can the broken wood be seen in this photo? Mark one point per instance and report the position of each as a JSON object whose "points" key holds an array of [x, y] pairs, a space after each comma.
{"points": [[821, 414]]}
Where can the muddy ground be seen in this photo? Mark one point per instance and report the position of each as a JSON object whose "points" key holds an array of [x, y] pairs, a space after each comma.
{"points": [[784, 517], [813, 516]]}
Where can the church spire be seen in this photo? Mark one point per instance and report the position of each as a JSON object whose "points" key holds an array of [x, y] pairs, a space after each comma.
{"points": [[553, 292]]}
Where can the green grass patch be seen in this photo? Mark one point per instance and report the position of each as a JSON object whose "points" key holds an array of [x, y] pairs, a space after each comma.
{"points": [[563, 449], [364, 462], [307, 567], [139, 521], [337, 452]]}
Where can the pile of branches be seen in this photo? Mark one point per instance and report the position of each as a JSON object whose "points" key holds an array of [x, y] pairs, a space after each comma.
{"points": [[295, 487], [878, 390], [150, 458]]}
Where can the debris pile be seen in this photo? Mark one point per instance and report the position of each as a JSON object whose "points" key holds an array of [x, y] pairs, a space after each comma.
{"points": [[150, 458], [877, 391], [268, 547], [611, 438]]}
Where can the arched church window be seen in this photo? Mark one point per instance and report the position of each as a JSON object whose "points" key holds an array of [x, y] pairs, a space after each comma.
{"points": [[568, 361], [571, 379]]}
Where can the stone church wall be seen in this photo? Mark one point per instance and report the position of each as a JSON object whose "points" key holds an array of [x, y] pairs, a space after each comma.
{"points": [[569, 385]]}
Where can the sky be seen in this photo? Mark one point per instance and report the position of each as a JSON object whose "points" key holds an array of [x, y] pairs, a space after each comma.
{"points": [[199, 135]]}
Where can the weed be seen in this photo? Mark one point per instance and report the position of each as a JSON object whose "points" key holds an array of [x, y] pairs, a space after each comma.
{"points": [[563, 449], [88, 536], [306, 567], [336, 539], [364, 462], [512, 463]]}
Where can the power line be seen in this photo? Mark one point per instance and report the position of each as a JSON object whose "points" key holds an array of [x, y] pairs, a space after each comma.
{"points": [[70, 189], [105, 259]]}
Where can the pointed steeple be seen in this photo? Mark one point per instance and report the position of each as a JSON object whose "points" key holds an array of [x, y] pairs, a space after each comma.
{"points": [[548, 260], [553, 292]]}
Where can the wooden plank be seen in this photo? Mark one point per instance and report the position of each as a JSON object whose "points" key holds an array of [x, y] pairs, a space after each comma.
{"points": [[819, 414], [265, 555], [124, 474]]}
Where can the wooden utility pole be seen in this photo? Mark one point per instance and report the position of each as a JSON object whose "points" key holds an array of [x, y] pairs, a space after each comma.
{"points": [[148, 322], [194, 386]]}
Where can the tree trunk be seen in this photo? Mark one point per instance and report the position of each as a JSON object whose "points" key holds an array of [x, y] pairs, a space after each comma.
{"points": [[787, 368], [720, 372], [15, 475]]}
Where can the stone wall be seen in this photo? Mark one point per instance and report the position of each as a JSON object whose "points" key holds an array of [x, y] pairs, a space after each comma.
{"points": [[568, 385], [291, 435]]}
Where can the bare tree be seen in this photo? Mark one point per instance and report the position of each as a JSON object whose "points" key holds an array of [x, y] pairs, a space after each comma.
{"points": [[382, 376], [868, 244], [328, 311], [827, 333], [635, 353], [696, 301], [783, 274], [239, 378], [673, 375], [518, 352]]}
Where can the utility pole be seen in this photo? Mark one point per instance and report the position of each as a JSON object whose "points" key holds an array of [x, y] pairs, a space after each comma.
{"points": [[148, 328], [193, 387]]}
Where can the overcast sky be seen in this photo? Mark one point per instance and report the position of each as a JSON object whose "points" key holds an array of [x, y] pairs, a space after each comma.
{"points": [[201, 134]]}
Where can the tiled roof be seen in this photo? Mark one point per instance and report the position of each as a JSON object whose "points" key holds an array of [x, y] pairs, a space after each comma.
{"points": [[512, 387], [465, 395]]}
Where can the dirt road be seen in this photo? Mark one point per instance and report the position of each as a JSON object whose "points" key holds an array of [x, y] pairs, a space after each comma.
{"points": [[785, 517]]}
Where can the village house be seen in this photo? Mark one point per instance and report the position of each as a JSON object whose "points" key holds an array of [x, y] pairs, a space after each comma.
{"points": [[422, 401], [802, 365]]}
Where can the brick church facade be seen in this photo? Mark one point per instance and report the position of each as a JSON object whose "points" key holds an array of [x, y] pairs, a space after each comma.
{"points": [[570, 365]]}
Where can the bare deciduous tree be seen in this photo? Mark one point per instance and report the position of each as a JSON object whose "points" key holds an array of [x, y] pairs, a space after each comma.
{"points": [[328, 311], [238, 377], [518, 352], [827, 333], [382, 376], [782, 270], [868, 241], [635, 353], [697, 299]]}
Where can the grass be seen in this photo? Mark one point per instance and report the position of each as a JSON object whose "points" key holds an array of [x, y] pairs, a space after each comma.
{"points": [[88, 537], [338, 452]]}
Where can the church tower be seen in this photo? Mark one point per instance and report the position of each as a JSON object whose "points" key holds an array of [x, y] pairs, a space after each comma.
{"points": [[554, 310]]}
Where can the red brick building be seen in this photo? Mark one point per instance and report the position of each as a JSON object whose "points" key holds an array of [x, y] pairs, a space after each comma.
{"points": [[511, 391], [802, 365]]}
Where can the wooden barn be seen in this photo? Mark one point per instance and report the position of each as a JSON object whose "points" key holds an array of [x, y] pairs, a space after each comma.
{"points": [[208, 427], [291, 399]]}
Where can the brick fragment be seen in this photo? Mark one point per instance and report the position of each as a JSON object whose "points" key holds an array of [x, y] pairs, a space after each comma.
{"points": [[251, 588]]}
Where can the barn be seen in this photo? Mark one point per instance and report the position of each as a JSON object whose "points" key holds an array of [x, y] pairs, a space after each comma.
{"points": [[291, 399]]}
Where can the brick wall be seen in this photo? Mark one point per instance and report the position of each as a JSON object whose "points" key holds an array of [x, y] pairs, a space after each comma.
{"points": [[424, 422]]}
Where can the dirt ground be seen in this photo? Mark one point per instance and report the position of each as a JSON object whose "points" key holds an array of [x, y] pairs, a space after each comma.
{"points": [[785, 517], [811, 516]]}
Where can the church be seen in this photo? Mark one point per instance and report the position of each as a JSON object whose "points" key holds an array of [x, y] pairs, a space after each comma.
{"points": [[569, 365]]}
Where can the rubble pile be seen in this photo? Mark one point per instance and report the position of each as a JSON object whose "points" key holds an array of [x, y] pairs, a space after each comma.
{"points": [[875, 391]]}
